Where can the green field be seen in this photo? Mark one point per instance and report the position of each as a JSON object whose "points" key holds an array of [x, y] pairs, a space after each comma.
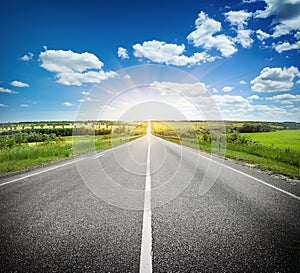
{"points": [[285, 139], [269, 146], [25, 145], [277, 151]]}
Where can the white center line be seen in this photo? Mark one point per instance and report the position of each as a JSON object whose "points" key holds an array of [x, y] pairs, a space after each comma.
{"points": [[146, 248]]}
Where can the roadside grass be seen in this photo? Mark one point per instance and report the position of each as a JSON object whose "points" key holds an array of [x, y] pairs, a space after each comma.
{"points": [[273, 159], [24, 156], [285, 139]]}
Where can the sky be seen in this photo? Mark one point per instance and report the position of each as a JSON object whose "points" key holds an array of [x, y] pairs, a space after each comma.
{"points": [[230, 60]]}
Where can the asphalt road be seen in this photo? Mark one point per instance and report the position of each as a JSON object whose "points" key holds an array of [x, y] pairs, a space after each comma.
{"points": [[206, 215]]}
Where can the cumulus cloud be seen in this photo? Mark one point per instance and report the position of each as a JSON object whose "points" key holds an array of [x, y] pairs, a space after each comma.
{"points": [[5, 90], [27, 57], [3, 105], [19, 84], [188, 89], [243, 82], [162, 52], [285, 98], [243, 37], [73, 68], [68, 104], [297, 35], [229, 100], [227, 88], [24, 105], [287, 15], [261, 35], [204, 36], [238, 18], [286, 46], [122, 53], [253, 97], [275, 79]]}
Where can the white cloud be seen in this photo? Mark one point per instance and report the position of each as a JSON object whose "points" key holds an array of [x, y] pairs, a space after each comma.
{"points": [[187, 89], [19, 84], [215, 90], [229, 100], [243, 37], [27, 57], [297, 35], [253, 97], [243, 82], [287, 15], [84, 93], [161, 52], [90, 99], [285, 98], [74, 68], [286, 46], [24, 105], [238, 18], [204, 36], [5, 90], [275, 79], [286, 27], [157, 51], [122, 53], [68, 104], [3, 105], [261, 35], [108, 108], [227, 88], [59, 60]]}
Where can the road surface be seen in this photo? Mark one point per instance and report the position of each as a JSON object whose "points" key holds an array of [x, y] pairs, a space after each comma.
{"points": [[212, 216]]}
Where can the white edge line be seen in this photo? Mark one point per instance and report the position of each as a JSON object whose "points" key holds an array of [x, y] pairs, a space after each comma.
{"points": [[240, 172], [254, 178], [37, 173], [97, 156]]}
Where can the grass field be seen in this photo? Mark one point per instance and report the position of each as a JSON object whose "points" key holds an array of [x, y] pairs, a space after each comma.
{"points": [[28, 155], [277, 151], [285, 139]]}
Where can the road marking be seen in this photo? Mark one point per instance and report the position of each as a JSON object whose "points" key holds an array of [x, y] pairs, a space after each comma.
{"points": [[146, 247], [242, 173], [37, 173], [254, 178], [97, 156]]}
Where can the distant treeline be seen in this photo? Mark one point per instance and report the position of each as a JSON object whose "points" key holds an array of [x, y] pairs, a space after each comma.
{"points": [[58, 131], [254, 128]]}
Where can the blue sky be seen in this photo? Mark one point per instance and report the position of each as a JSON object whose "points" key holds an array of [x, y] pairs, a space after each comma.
{"points": [[244, 55]]}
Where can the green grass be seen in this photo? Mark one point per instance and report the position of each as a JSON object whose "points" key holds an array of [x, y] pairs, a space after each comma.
{"points": [[285, 139], [24, 156], [273, 159]]}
